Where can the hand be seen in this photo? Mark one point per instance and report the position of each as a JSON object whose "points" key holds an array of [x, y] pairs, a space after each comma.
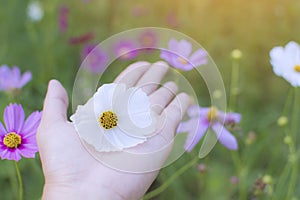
{"points": [[72, 173]]}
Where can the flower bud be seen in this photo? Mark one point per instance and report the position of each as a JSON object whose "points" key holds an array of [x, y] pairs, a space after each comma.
{"points": [[267, 179], [236, 54], [217, 94], [251, 137], [282, 121], [202, 168], [234, 180], [288, 140]]}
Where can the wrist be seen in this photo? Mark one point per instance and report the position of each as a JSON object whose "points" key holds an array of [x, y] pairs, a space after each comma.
{"points": [[64, 191]]}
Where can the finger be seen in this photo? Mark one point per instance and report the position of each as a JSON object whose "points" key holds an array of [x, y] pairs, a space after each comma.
{"points": [[55, 104], [174, 113], [167, 125], [161, 97], [133, 73], [151, 79]]}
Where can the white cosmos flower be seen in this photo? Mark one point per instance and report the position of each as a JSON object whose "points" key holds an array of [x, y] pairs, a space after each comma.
{"points": [[35, 11], [286, 62], [115, 118]]}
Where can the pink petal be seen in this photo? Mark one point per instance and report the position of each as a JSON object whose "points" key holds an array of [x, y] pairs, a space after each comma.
{"points": [[225, 137], [198, 58], [173, 45], [28, 151], [167, 56], [14, 117], [29, 140], [184, 127], [2, 130], [16, 72], [196, 128], [26, 77], [193, 111], [184, 48], [10, 154], [31, 124]]}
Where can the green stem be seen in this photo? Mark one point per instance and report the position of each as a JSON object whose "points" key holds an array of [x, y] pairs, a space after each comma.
{"points": [[168, 182], [288, 102], [295, 115], [294, 174], [234, 84], [282, 181], [20, 181], [241, 174]]}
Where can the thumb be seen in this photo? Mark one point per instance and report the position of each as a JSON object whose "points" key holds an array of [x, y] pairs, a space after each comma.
{"points": [[55, 104]]}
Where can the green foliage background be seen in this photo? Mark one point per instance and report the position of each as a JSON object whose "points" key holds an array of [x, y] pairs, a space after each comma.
{"points": [[219, 26]]}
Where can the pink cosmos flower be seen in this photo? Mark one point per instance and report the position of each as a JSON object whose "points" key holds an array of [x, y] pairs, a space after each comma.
{"points": [[81, 39], [179, 55], [139, 10], [63, 18], [11, 79], [234, 180], [96, 58], [201, 119], [148, 39], [18, 138], [172, 20], [126, 49]]}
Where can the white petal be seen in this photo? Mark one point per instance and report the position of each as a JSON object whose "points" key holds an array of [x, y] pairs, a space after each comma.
{"points": [[129, 128], [293, 78], [89, 129], [135, 117], [103, 98], [292, 50], [136, 121], [284, 60], [139, 108], [278, 60], [121, 140]]}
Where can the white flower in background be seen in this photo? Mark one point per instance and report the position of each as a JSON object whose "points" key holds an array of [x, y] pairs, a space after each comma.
{"points": [[115, 118], [286, 62], [35, 11]]}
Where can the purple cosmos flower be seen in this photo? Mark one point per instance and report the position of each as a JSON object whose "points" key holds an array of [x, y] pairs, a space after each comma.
{"points": [[18, 138], [96, 58], [11, 79], [179, 55], [126, 49], [63, 18], [201, 119]]}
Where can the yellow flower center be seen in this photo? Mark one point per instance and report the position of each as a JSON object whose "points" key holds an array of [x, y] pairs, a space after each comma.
{"points": [[108, 119], [297, 68], [12, 140], [212, 114], [182, 60]]}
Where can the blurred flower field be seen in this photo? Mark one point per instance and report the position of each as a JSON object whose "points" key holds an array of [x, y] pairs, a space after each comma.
{"points": [[49, 39]]}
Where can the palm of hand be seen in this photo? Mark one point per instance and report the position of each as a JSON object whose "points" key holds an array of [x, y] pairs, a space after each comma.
{"points": [[67, 165]]}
